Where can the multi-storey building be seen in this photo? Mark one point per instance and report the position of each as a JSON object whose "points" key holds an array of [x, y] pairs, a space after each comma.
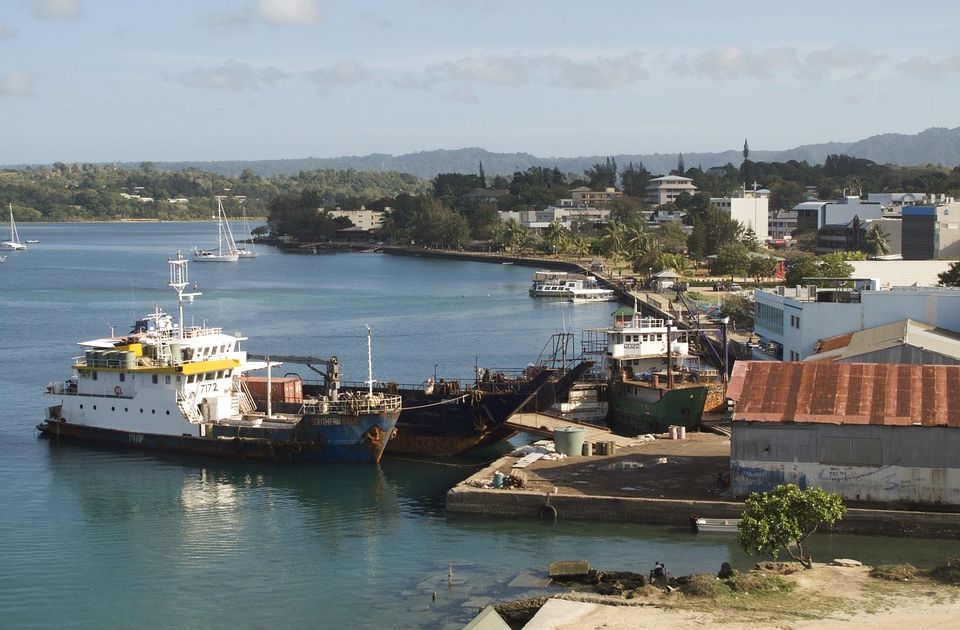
{"points": [[750, 208], [931, 232], [665, 189]]}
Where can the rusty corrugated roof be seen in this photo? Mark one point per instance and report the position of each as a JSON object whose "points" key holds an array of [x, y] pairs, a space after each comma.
{"points": [[846, 393], [834, 343]]}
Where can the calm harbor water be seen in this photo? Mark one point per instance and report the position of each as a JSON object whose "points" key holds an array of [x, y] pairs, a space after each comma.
{"points": [[95, 538]]}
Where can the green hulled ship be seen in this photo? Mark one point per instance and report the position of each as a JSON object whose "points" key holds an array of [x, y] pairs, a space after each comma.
{"points": [[646, 392]]}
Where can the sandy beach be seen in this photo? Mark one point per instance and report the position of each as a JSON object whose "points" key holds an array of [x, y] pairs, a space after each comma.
{"points": [[824, 597]]}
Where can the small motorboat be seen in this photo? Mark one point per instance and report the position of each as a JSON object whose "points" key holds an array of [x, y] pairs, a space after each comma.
{"points": [[716, 525]]}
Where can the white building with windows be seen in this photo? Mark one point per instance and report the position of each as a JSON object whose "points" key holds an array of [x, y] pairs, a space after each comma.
{"points": [[362, 219], [665, 189], [750, 208], [796, 318], [566, 215]]}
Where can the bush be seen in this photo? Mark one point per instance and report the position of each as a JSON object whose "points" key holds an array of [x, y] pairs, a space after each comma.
{"points": [[704, 585], [948, 572], [895, 572]]}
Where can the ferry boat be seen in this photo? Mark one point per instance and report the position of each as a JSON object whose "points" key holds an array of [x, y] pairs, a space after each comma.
{"points": [[559, 283], [592, 294], [645, 391], [172, 387]]}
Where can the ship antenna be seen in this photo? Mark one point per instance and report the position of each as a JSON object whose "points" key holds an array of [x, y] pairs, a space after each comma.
{"points": [[369, 362], [179, 279]]}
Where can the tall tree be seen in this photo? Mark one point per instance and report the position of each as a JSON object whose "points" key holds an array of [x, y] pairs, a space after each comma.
{"points": [[634, 180], [681, 168]]}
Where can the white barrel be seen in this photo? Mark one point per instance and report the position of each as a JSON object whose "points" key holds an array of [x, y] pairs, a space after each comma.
{"points": [[673, 432], [681, 432]]}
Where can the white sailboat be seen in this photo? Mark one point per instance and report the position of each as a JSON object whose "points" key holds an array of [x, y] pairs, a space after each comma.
{"points": [[14, 243], [226, 250], [247, 250]]}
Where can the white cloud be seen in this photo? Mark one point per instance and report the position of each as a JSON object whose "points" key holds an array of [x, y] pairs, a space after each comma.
{"points": [[505, 71], [596, 72], [600, 73], [57, 10], [288, 12], [842, 60], [233, 76], [735, 62], [269, 12], [932, 69], [16, 84], [339, 74]]}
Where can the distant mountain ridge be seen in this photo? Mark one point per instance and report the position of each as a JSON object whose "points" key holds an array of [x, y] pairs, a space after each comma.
{"points": [[937, 145]]}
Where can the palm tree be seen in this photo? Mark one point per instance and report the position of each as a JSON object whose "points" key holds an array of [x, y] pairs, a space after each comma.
{"points": [[613, 239], [556, 236], [579, 246], [876, 241], [514, 233]]}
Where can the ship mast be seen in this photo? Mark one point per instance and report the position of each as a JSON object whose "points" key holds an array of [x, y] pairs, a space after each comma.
{"points": [[179, 279], [369, 363]]}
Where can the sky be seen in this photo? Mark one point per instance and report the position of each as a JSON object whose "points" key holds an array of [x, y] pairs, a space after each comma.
{"points": [[169, 80]]}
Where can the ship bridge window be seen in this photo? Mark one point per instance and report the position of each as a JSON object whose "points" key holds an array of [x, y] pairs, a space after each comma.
{"points": [[228, 373], [166, 379], [191, 378], [123, 377], [156, 379]]}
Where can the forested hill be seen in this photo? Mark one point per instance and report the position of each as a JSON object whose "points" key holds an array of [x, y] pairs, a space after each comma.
{"points": [[935, 146]]}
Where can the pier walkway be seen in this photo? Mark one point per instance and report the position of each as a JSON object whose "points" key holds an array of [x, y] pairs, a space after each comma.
{"points": [[542, 424]]}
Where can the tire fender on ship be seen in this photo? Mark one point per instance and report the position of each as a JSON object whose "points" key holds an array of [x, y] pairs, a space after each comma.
{"points": [[117, 391]]}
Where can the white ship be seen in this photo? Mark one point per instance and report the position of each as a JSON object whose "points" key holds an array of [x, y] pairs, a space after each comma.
{"points": [[168, 386]]}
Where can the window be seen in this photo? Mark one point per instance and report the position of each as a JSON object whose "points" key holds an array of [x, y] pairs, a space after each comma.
{"points": [[166, 379], [156, 379], [123, 377], [93, 375]]}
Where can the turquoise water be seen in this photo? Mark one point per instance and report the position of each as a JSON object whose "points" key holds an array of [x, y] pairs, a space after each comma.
{"points": [[94, 538]]}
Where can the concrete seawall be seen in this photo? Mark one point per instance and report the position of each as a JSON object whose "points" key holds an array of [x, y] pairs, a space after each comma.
{"points": [[467, 499]]}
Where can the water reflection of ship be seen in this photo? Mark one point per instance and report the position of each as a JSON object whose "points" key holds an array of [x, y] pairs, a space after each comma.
{"points": [[222, 507]]}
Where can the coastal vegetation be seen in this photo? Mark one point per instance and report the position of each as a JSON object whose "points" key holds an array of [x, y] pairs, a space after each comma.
{"points": [[460, 211], [781, 519]]}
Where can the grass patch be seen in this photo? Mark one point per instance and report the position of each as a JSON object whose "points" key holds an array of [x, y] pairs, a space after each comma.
{"points": [[758, 583], [895, 572], [704, 585]]}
